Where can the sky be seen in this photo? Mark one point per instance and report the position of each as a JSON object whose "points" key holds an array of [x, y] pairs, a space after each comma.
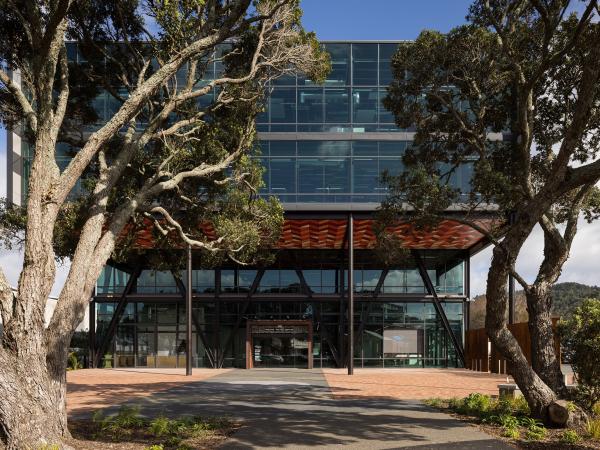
{"points": [[394, 20]]}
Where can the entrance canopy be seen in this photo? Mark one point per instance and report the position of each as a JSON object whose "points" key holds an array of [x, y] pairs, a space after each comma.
{"points": [[331, 234]]}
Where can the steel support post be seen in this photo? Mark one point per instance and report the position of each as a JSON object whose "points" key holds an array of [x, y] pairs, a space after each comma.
{"points": [[188, 314], [92, 335], [511, 299], [350, 295]]}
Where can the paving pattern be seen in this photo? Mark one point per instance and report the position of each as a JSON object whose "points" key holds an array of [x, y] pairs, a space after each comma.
{"points": [[293, 409]]}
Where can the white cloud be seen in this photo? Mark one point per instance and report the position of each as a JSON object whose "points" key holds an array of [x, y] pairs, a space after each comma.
{"points": [[582, 266]]}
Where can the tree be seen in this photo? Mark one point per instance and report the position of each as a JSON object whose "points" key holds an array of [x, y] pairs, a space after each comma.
{"points": [[173, 151], [580, 333], [514, 95]]}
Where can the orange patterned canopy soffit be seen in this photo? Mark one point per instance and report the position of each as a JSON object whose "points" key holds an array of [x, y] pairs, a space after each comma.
{"points": [[330, 234]]}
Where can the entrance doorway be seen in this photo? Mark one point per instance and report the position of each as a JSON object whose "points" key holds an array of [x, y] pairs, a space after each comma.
{"points": [[286, 343]]}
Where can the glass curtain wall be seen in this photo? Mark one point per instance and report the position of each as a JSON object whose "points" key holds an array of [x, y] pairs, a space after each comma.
{"points": [[350, 99]]}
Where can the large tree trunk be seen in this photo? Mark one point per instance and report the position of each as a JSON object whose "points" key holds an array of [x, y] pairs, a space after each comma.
{"points": [[544, 360], [32, 404], [538, 395]]}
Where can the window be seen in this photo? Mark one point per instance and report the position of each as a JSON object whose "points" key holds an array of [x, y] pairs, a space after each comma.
{"points": [[340, 64], [283, 105], [386, 52], [310, 105], [364, 105], [283, 175], [337, 106], [364, 64]]}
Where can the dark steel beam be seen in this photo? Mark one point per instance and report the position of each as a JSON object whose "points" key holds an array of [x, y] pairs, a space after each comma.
{"points": [[201, 334], [350, 294], [188, 315], [116, 318], [251, 292], [92, 335], [438, 305], [366, 311]]}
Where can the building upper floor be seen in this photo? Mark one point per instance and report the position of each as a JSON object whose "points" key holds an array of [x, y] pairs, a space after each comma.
{"points": [[323, 146]]}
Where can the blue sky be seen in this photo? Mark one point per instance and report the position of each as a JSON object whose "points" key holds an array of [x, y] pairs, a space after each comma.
{"points": [[397, 20], [381, 19]]}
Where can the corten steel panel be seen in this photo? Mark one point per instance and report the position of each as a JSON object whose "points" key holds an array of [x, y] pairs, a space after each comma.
{"points": [[323, 234]]}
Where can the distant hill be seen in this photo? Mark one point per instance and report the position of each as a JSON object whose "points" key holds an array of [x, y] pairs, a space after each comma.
{"points": [[565, 298]]}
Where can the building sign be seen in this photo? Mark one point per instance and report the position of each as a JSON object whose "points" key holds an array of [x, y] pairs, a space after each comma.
{"points": [[279, 329]]}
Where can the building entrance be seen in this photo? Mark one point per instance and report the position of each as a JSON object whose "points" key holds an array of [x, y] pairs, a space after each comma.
{"points": [[287, 343]]}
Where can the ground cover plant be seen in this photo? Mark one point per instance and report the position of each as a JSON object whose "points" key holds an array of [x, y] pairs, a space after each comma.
{"points": [[128, 430], [511, 419]]}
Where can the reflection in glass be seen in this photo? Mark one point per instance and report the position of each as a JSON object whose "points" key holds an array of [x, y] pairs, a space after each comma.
{"points": [[337, 106], [340, 64], [364, 105], [364, 64]]}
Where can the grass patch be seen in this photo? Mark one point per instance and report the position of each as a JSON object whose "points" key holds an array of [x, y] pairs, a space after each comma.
{"points": [[133, 431]]}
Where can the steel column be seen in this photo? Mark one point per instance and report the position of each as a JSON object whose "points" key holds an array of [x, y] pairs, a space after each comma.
{"points": [[511, 299], [438, 306], [112, 327], [350, 294], [92, 335], [188, 314]]}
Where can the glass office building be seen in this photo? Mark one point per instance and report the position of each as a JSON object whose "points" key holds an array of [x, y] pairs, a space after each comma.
{"points": [[324, 148]]}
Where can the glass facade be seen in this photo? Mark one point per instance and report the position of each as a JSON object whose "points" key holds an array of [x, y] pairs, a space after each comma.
{"points": [[350, 99], [323, 146], [336, 171], [390, 334]]}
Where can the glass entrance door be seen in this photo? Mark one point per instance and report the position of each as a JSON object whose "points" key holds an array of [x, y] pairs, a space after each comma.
{"points": [[281, 350], [279, 344]]}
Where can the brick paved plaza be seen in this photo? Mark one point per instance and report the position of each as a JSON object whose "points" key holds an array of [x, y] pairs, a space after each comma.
{"points": [[92, 389]]}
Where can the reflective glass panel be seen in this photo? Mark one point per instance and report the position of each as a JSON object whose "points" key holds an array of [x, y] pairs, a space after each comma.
{"points": [[340, 64], [364, 64], [283, 175], [337, 106], [364, 105], [283, 105], [386, 51], [310, 105]]}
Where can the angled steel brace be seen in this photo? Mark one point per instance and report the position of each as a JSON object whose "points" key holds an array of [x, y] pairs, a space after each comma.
{"points": [[209, 352], [365, 312], [438, 306], [116, 318], [252, 291]]}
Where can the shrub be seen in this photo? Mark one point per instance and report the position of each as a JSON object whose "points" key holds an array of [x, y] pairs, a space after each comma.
{"points": [[596, 409], [73, 362], [160, 426], [593, 428], [580, 336], [511, 433], [475, 404], [570, 437], [128, 417], [434, 402], [535, 433], [155, 447]]}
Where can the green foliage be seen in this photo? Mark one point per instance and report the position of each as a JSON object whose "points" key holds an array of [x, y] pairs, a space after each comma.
{"points": [[476, 404], [159, 426], [570, 437], [580, 336], [512, 433], [13, 220], [73, 362], [535, 433], [435, 402], [155, 447], [593, 428]]}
